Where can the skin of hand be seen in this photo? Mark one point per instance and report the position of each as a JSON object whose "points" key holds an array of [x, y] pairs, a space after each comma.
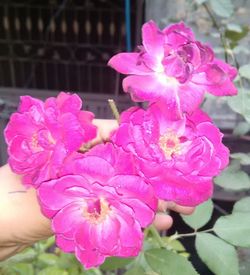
{"points": [[21, 221]]}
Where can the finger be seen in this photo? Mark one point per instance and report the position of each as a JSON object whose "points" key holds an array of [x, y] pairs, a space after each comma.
{"points": [[162, 206], [104, 129], [185, 210], [163, 221], [6, 252]]}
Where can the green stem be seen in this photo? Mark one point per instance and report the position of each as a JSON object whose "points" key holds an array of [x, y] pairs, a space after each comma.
{"points": [[222, 38], [114, 109], [156, 235], [178, 236]]}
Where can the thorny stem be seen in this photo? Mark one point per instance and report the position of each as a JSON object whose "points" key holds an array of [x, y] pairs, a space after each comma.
{"points": [[114, 109]]}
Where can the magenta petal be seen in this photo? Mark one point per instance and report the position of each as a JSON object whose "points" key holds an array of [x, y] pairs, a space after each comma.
{"points": [[89, 258], [87, 167], [68, 217], [66, 245], [143, 213], [130, 238], [143, 88], [191, 96], [105, 236], [26, 102], [68, 102], [182, 191], [19, 125], [153, 39], [128, 63], [134, 187], [178, 34]]}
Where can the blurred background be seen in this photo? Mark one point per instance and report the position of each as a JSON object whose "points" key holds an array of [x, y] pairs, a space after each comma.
{"points": [[47, 46]]}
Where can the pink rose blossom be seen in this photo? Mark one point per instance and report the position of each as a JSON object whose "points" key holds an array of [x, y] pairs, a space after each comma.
{"points": [[99, 210], [172, 65], [42, 134], [178, 157]]}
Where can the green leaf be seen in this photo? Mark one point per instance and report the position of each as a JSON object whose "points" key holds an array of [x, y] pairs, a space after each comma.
{"points": [[234, 228], [201, 215], [48, 258], [223, 8], [112, 263], [53, 271], [241, 103], [241, 128], [235, 36], [174, 244], [242, 157], [136, 270], [167, 262], [242, 205], [220, 257], [245, 71], [232, 178], [27, 256], [23, 269], [234, 27], [200, 2], [92, 271]]}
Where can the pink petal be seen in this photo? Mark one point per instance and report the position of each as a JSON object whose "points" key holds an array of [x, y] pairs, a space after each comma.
{"points": [[105, 235], [182, 191], [26, 102], [153, 39], [143, 214], [19, 125], [68, 218], [130, 238], [88, 165], [66, 245], [143, 88], [134, 187], [128, 63], [178, 34], [89, 258], [68, 102], [191, 96]]}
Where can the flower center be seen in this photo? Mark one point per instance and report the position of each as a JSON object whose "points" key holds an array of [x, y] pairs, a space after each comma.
{"points": [[34, 143], [170, 144], [97, 210]]}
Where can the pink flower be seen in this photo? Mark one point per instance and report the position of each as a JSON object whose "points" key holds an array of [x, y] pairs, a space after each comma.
{"points": [[178, 157], [42, 134], [172, 65], [99, 210]]}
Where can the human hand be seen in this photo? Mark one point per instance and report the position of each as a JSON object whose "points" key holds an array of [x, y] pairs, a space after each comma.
{"points": [[21, 220]]}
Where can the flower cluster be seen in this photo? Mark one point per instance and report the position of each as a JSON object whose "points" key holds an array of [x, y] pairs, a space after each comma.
{"points": [[100, 200]]}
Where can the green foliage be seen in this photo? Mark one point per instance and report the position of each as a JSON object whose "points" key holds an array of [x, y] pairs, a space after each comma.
{"points": [[242, 157], [242, 205], [136, 270], [201, 215], [241, 103], [223, 8], [241, 128], [167, 262], [234, 228], [234, 33], [232, 178], [115, 263], [219, 256], [245, 71]]}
